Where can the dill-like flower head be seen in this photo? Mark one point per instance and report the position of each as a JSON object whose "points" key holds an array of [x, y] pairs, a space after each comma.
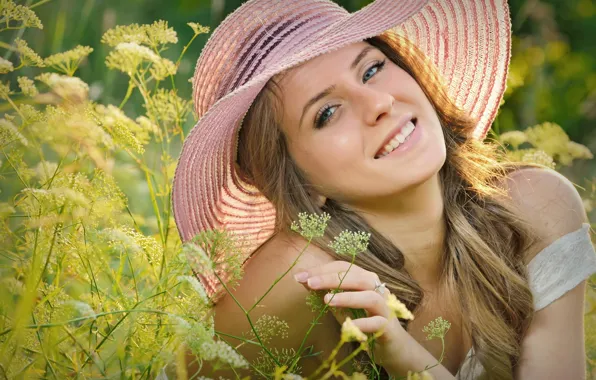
{"points": [[539, 157], [198, 28], [9, 132], [13, 12], [28, 56], [268, 327], [167, 107], [513, 138], [436, 328], [196, 286], [398, 309], [311, 225], [27, 86], [152, 35], [5, 66], [67, 62], [129, 56], [5, 90], [351, 333], [350, 243], [68, 88]]}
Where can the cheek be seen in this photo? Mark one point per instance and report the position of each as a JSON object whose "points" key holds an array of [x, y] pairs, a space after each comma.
{"points": [[328, 154]]}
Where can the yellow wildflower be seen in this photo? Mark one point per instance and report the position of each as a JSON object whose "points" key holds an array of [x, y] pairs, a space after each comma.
{"points": [[4, 90], [513, 138], [5, 66], [539, 157], [68, 61], [350, 332], [398, 309], [580, 151], [9, 132], [152, 35], [68, 88], [27, 86], [28, 56], [9, 11], [166, 106], [198, 28]]}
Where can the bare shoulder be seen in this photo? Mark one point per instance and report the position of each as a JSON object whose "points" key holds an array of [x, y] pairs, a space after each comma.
{"points": [[286, 300], [548, 201]]}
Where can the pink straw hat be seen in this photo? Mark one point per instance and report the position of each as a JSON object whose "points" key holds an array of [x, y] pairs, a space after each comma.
{"points": [[468, 41]]}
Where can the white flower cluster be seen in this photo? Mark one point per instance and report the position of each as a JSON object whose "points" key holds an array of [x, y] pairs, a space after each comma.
{"points": [[129, 56], [5, 66], [66, 87], [350, 243], [311, 225]]}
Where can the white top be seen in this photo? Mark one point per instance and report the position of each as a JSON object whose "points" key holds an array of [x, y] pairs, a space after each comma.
{"points": [[554, 271]]}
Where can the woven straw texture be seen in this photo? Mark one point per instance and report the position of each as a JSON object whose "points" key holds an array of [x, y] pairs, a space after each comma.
{"points": [[467, 40]]}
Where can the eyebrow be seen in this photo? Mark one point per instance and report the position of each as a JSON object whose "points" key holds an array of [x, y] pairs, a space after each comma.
{"points": [[330, 89]]}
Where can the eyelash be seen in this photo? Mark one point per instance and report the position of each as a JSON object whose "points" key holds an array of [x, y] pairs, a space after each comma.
{"points": [[379, 65]]}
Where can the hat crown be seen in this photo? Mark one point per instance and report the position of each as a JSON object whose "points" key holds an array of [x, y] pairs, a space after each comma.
{"points": [[257, 33]]}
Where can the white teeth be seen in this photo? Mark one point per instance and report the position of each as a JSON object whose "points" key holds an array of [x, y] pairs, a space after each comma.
{"points": [[398, 139]]}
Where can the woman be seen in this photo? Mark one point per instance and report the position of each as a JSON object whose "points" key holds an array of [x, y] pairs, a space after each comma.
{"points": [[377, 118]]}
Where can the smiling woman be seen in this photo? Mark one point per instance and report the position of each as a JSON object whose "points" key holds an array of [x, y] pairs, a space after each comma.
{"points": [[377, 118]]}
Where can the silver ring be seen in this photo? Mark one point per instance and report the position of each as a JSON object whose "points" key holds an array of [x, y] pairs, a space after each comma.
{"points": [[380, 288]]}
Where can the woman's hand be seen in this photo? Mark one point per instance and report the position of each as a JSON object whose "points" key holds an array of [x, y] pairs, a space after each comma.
{"points": [[358, 293]]}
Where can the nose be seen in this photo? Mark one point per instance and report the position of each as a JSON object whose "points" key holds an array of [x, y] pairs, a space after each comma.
{"points": [[374, 104]]}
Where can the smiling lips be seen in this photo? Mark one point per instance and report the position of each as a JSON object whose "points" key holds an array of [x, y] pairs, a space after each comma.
{"points": [[397, 137]]}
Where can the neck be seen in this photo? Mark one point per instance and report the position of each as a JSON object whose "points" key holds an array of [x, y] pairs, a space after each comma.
{"points": [[414, 221]]}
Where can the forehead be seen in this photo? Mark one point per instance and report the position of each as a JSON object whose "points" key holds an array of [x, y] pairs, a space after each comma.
{"points": [[336, 60]]}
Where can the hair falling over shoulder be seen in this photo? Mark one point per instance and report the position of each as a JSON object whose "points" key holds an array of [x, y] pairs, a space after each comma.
{"points": [[483, 263]]}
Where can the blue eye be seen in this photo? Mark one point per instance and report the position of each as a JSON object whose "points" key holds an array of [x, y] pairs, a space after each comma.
{"points": [[324, 115], [378, 66]]}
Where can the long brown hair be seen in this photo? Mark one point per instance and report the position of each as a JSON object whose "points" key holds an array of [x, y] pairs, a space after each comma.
{"points": [[483, 263]]}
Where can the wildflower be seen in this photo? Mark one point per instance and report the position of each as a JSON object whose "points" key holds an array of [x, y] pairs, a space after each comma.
{"points": [[196, 286], [579, 151], [68, 61], [5, 66], [148, 125], [198, 258], [67, 88], [548, 137], [166, 106], [9, 132], [350, 332], [129, 56], [122, 129], [13, 12], [398, 309], [45, 170], [221, 352], [311, 225], [424, 375], [437, 328], [28, 56], [539, 157], [350, 243], [27, 86], [198, 28], [152, 35], [4, 90], [269, 326], [513, 138], [6, 210]]}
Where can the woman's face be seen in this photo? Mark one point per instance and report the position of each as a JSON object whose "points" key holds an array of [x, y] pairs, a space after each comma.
{"points": [[343, 111]]}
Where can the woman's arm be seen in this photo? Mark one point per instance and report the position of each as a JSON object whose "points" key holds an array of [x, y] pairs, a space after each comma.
{"points": [[287, 301], [554, 344]]}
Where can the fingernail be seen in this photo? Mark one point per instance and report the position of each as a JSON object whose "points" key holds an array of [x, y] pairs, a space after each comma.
{"points": [[301, 277], [313, 282], [328, 299]]}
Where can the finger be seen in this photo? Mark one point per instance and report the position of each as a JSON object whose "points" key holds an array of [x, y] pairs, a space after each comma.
{"points": [[372, 302], [371, 325], [358, 280], [333, 267]]}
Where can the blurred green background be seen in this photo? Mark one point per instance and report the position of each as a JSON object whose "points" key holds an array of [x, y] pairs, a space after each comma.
{"points": [[552, 76]]}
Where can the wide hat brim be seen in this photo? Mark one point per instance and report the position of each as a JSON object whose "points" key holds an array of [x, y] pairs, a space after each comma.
{"points": [[468, 41]]}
